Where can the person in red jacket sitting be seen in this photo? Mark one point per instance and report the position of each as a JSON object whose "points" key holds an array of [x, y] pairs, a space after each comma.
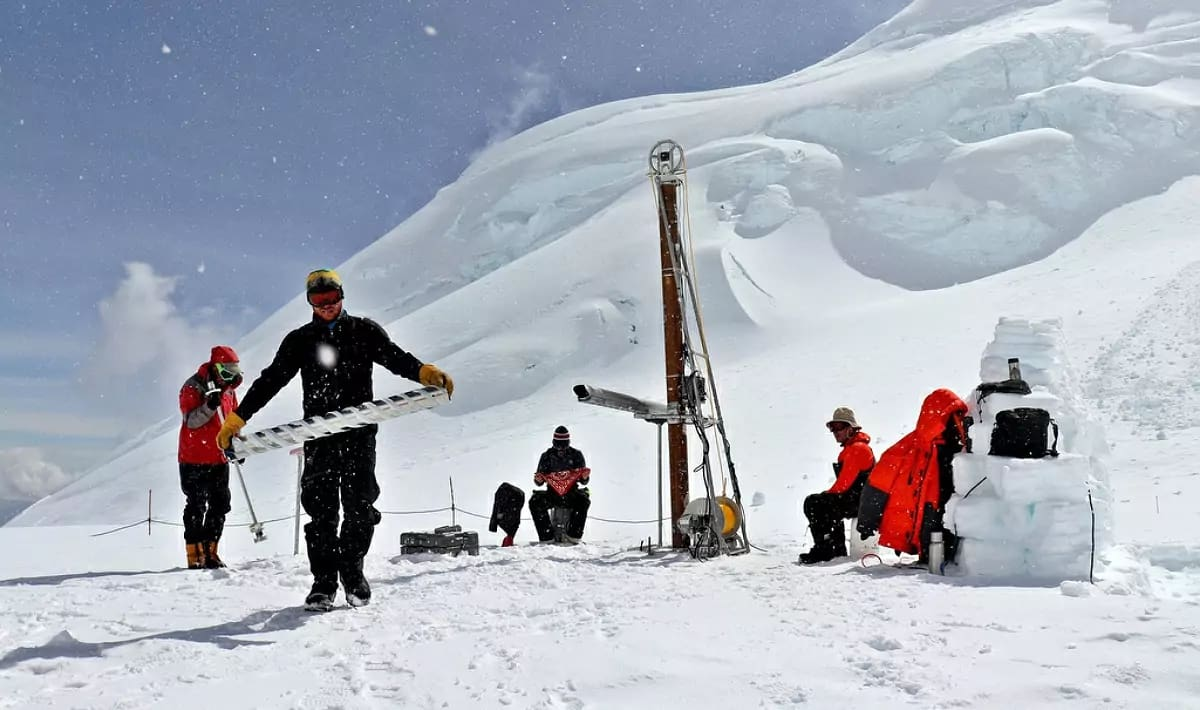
{"points": [[825, 511], [205, 399]]}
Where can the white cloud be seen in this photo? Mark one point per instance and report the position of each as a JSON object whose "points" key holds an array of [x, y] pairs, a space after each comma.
{"points": [[25, 475], [146, 350], [534, 92]]}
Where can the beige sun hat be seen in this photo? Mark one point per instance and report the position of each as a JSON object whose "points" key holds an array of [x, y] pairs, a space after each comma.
{"points": [[845, 415]]}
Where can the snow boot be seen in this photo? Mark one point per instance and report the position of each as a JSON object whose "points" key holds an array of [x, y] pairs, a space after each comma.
{"points": [[507, 542], [321, 597], [818, 553], [211, 559], [827, 545], [358, 590], [318, 601], [195, 556]]}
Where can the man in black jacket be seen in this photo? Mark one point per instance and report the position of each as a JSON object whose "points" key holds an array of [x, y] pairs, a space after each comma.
{"points": [[562, 469], [335, 354]]}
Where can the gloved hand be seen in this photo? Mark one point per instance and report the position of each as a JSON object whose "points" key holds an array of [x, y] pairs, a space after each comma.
{"points": [[232, 426], [538, 479], [213, 400], [864, 531], [432, 376]]}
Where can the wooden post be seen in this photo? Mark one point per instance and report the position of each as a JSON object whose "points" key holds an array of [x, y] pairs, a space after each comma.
{"points": [[668, 232]]}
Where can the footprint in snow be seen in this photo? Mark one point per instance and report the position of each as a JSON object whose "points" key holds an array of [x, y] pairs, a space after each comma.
{"points": [[882, 643]]}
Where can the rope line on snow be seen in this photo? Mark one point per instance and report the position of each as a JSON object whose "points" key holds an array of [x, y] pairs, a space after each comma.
{"points": [[143, 521], [426, 511]]}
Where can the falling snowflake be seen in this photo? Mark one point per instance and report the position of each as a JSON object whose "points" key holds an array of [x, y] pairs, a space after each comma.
{"points": [[430, 30], [327, 356], [165, 48]]}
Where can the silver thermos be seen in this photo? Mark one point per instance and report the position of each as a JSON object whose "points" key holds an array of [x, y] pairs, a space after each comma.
{"points": [[937, 552], [1014, 368]]}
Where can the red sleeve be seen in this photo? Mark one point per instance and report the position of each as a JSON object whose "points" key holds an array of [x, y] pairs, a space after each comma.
{"points": [[855, 459], [189, 399]]}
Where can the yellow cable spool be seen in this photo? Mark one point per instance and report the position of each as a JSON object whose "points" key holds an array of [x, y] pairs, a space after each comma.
{"points": [[731, 515]]}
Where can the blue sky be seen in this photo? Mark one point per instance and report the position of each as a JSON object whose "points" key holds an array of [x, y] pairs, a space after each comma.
{"points": [[172, 171]]}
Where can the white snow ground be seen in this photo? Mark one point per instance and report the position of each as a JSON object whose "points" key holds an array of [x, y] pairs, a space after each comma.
{"points": [[860, 227]]}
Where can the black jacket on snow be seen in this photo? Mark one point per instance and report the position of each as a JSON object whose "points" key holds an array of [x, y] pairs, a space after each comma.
{"points": [[335, 363]]}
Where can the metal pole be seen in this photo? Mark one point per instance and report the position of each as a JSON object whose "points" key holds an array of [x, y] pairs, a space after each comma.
{"points": [[299, 454], [660, 487], [256, 528], [149, 508]]}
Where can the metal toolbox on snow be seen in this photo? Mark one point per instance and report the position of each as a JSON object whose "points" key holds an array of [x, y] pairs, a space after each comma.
{"points": [[446, 540]]}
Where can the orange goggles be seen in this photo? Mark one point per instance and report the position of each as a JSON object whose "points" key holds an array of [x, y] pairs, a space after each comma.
{"points": [[322, 299]]}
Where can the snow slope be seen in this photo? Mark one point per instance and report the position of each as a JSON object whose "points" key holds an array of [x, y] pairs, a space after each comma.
{"points": [[859, 227]]}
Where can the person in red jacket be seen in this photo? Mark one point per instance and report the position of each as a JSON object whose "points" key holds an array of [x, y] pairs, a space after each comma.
{"points": [[825, 511], [905, 497], [205, 399]]}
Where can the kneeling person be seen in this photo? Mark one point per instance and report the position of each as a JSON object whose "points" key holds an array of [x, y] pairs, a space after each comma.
{"points": [[563, 470], [825, 511]]}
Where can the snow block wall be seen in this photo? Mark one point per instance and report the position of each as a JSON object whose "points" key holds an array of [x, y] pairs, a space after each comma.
{"points": [[1031, 518]]}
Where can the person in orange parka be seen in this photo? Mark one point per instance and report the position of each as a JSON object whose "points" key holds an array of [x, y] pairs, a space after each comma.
{"points": [[907, 491], [825, 511], [205, 399]]}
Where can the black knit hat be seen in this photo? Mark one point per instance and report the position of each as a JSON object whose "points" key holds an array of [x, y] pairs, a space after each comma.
{"points": [[561, 434]]}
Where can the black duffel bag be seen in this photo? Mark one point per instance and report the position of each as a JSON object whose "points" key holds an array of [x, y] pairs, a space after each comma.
{"points": [[1022, 433]]}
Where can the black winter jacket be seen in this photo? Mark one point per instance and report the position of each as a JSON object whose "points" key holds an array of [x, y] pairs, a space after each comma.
{"points": [[557, 459], [335, 365]]}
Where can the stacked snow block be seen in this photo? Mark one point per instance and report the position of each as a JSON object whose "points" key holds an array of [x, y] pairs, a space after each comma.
{"points": [[1030, 518]]}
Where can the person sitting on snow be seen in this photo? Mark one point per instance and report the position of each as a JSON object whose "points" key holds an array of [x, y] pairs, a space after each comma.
{"points": [[562, 469], [825, 511]]}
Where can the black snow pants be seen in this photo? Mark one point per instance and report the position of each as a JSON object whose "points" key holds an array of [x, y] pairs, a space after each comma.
{"points": [[825, 512], [540, 503], [341, 466], [206, 488]]}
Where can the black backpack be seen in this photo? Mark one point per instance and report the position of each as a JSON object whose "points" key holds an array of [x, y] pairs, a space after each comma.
{"points": [[1022, 433], [1006, 386]]}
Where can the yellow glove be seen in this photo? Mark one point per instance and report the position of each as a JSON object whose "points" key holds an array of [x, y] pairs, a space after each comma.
{"points": [[233, 424], [431, 376]]}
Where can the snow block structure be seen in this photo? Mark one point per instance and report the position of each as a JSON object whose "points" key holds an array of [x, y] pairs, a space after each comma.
{"points": [[1042, 519]]}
